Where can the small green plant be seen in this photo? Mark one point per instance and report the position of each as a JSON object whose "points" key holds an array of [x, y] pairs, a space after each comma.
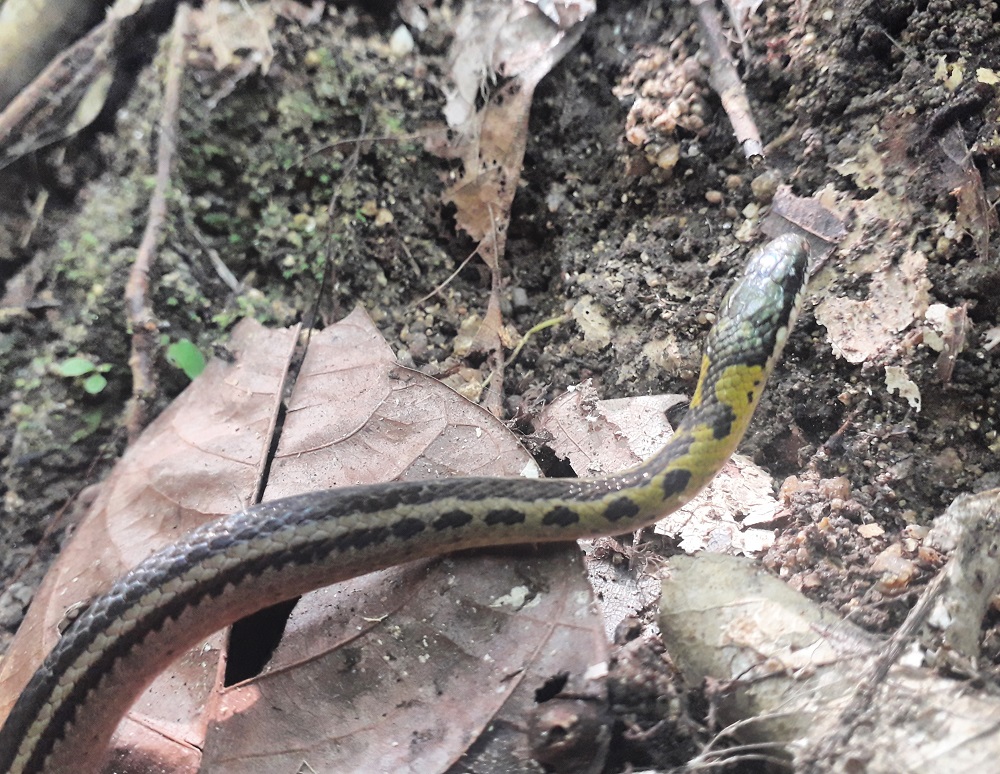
{"points": [[88, 374], [186, 356]]}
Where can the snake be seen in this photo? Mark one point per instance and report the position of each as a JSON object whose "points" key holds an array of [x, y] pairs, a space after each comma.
{"points": [[226, 569]]}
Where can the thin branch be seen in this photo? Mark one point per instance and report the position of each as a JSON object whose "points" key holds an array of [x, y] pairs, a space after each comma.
{"points": [[137, 309], [726, 81]]}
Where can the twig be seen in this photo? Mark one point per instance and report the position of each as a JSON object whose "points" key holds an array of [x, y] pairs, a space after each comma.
{"points": [[726, 81], [221, 269], [493, 401], [138, 312], [449, 278], [361, 138]]}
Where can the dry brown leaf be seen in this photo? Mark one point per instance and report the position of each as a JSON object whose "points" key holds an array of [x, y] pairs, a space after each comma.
{"points": [[361, 418], [823, 225], [961, 177], [861, 330], [404, 671], [891, 169], [517, 41], [354, 416]]}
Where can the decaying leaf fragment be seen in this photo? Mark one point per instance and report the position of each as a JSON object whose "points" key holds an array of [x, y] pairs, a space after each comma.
{"points": [[974, 215], [896, 380], [945, 332], [520, 42], [860, 330]]}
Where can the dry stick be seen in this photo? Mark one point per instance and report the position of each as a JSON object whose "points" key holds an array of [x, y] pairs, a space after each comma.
{"points": [[493, 401], [138, 312], [440, 288], [373, 139], [223, 272], [726, 81], [328, 280]]}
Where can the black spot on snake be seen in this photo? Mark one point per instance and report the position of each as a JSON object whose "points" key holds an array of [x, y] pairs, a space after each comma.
{"points": [[361, 538], [451, 520], [408, 527], [723, 425], [675, 482], [504, 516], [622, 508], [561, 516]]}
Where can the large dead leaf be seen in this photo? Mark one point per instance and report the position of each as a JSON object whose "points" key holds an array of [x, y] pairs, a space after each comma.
{"points": [[406, 671], [409, 646], [200, 459]]}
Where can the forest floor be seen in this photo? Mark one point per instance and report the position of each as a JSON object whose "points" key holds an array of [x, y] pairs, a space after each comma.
{"points": [[882, 116]]}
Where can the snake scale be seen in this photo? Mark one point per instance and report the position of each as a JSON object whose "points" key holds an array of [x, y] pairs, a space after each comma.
{"points": [[229, 568]]}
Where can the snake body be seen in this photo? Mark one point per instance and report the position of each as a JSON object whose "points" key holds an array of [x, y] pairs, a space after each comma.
{"points": [[229, 568]]}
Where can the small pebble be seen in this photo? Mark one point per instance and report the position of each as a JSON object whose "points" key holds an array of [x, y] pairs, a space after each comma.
{"points": [[519, 299], [401, 41], [764, 186]]}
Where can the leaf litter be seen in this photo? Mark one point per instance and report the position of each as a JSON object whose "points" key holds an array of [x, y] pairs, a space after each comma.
{"points": [[420, 639], [871, 231], [520, 43]]}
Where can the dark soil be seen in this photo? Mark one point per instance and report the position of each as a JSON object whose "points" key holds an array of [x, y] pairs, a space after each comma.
{"points": [[594, 216]]}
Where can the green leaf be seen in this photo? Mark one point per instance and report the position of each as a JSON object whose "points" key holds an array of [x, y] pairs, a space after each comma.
{"points": [[75, 366], [95, 384], [186, 356]]}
